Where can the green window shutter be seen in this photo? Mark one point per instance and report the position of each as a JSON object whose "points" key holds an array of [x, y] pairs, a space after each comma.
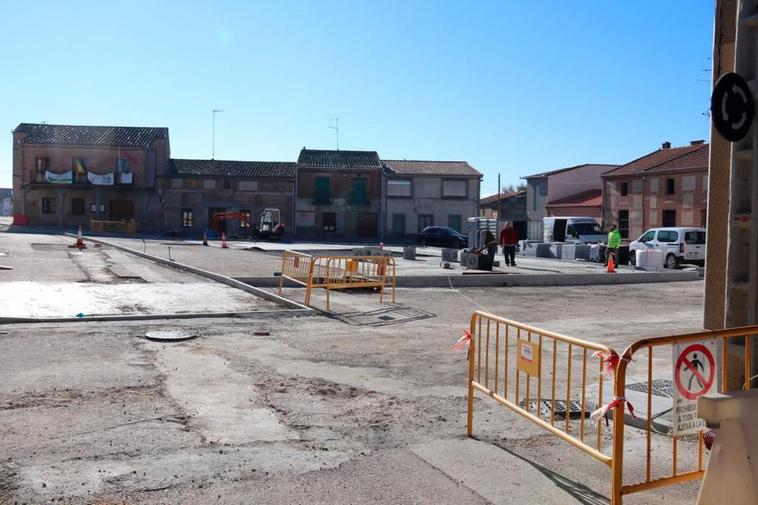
{"points": [[398, 224], [359, 192], [454, 221], [322, 190]]}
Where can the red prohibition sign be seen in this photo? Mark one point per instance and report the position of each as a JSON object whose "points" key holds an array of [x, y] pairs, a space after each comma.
{"points": [[705, 383]]}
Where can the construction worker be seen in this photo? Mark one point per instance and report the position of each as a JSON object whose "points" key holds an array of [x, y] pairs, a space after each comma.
{"points": [[509, 240], [614, 242]]}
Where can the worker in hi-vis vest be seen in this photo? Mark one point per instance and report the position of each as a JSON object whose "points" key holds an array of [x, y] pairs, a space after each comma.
{"points": [[614, 242]]}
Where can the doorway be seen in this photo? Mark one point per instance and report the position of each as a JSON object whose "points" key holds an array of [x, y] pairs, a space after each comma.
{"points": [[121, 210], [367, 224]]}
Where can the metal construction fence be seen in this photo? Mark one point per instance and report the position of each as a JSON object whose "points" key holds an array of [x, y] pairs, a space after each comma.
{"points": [[338, 272], [555, 381]]}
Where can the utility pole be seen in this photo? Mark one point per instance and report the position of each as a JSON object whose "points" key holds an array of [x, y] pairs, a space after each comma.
{"points": [[213, 152], [336, 128]]}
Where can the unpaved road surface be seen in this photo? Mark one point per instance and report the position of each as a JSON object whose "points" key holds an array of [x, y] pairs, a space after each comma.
{"points": [[366, 406]]}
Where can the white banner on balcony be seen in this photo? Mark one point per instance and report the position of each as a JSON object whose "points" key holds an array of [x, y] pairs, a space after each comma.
{"points": [[100, 179], [126, 178], [64, 178]]}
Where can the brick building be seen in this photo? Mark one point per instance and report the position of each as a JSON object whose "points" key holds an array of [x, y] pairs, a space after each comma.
{"points": [[427, 193], [338, 193], [667, 187], [195, 189], [67, 175]]}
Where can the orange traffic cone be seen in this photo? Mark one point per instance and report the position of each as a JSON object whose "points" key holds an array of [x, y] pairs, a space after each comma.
{"points": [[611, 265], [205, 238], [79, 244], [224, 245]]}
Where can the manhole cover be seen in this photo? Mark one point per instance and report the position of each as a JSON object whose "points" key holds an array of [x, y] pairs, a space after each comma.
{"points": [[168, 336], [660, 387]]}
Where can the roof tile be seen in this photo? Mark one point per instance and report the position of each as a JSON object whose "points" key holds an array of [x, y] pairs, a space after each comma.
{"points": [[228, 168], [117, 136], [338, 159], [430, 167], [664, 160]]}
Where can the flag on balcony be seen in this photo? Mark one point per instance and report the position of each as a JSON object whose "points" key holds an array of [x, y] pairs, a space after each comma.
{"points": [[80, 168]]}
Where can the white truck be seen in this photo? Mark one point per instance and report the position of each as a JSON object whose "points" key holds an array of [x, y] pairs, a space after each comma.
{"points": [[577, 230]]}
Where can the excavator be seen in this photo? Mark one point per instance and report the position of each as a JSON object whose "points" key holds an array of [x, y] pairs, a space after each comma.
{"points": [[267, 227]]}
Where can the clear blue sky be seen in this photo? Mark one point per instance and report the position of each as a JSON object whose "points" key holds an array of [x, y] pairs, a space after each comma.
{"points": [[514, 87]]}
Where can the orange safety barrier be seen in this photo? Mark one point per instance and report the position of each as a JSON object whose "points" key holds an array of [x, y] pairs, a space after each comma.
{"points": [[338, 272], [534, 372]]}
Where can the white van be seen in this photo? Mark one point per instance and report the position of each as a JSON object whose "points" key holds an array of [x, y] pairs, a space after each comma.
{"points": [[679, 245], [572, 229]]}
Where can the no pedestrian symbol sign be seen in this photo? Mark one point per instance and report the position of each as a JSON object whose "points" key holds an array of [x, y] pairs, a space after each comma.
{"points": [[695, 374]]}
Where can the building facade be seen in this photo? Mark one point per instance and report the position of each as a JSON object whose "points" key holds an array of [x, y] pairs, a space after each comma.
{"points": [[338, 194], [194, 190], [68, 175], [419, 193], [65, 175], [512, 208], [548, 192], [6, 202], [667, 187]]}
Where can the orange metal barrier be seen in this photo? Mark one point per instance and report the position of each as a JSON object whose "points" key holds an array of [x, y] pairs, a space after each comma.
{"points": [[338, 272], [540, 384]]}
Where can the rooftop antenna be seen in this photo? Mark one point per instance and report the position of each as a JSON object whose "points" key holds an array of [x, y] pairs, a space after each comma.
{"points": [[213, 152], [336, 128]]}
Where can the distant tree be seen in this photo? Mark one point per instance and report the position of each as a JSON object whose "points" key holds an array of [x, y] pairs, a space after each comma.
{"points": [[510, 188]]}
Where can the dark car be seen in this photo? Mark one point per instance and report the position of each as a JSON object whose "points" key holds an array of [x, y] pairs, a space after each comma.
{"points": [[442, 236]]}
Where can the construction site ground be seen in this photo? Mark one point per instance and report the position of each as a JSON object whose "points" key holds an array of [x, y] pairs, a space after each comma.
{"points": [[364, 405]]}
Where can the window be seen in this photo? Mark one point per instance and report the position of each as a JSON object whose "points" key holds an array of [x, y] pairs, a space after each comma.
{"points": [[398, 224], [647, 237], [227, 184], [669, 188], [425, 220], [186, 218], [669, 218], [246, 217], [358, 192], [454, 221], [42, 164], [668, 236], [328, 219], [322, 190], [48, 205], [624, 188], [122, 166], [694, 237], [77, 205], [398, 187], [624, 223], [454, 189], [93, 208]]}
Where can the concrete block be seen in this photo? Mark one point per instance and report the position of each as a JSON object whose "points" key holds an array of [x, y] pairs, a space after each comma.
{"points": [[568, 252], [544, 251], [582, 252], [409, 252], [450, 255]]}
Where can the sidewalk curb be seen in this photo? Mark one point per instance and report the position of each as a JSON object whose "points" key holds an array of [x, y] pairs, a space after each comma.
{"points": [[147, 317]]}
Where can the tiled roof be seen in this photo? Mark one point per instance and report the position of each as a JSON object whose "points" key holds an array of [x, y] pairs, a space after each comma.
{"points": [[553, 172], [673, 158], [428, 167], [121, 136], [503, 197], [226, 168], [589, 198], [338, 159]]}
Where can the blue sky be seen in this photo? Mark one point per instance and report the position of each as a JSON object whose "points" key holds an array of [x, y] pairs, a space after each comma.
{"points": [[514, 87]]}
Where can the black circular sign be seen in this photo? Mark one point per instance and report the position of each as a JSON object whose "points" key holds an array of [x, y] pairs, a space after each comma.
{"points": [[732, 107]]}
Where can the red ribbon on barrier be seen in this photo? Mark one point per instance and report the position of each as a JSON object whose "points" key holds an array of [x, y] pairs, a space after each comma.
{"points": [[610, 361], [463, 342], [602, 411]]}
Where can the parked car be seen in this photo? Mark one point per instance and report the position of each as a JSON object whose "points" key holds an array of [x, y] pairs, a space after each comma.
{"points": [[679, 245], [442, 236]]}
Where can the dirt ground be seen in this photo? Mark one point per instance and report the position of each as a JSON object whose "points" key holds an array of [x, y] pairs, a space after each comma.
{"points": [[365, 406]]}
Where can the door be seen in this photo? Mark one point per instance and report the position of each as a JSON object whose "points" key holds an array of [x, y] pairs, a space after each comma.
{"points": [[668, 242], [398, 224], [559, 230], [367, 224], [694, 245], [121, 209]]}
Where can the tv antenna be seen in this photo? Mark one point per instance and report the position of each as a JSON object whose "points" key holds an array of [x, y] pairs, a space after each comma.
{"points": [[336, 128]]}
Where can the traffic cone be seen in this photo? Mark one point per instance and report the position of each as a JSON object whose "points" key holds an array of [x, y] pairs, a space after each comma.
{"points": [[224, 245], [611, 265], [205, 238], [79, 240]]}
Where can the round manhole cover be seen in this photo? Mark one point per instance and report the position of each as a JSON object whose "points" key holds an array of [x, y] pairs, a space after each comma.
{"points": [[168, 336]]}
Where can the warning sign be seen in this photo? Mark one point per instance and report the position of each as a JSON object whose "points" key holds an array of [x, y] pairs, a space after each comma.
{"points": [[695, 374], [528, 357]]}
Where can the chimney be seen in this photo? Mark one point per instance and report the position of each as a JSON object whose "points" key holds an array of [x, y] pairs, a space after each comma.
{"points": [[697, 142], [666, 145]]}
